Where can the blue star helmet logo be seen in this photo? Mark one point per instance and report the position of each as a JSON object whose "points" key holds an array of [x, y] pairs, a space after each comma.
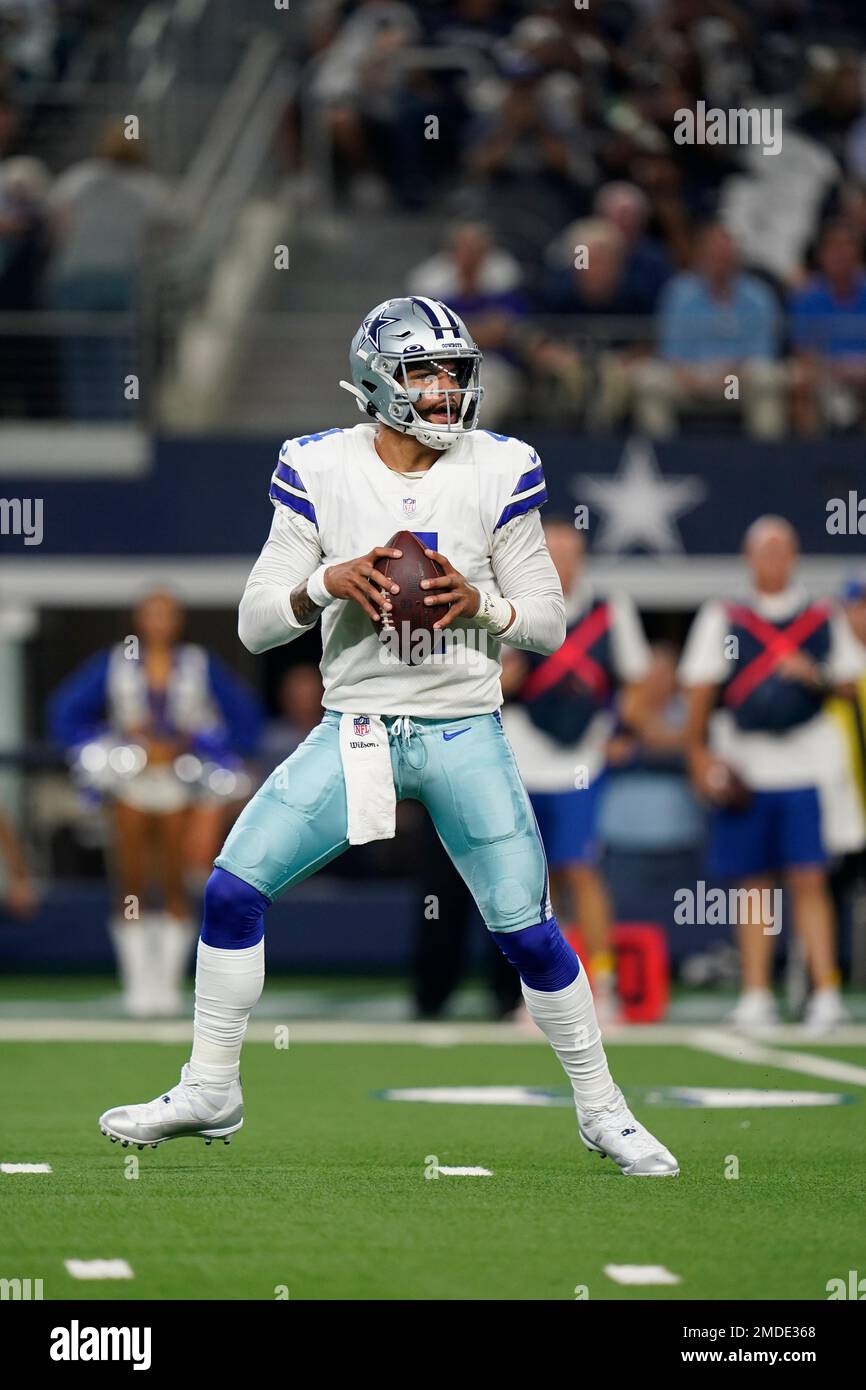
{"points": [[374, 327]]}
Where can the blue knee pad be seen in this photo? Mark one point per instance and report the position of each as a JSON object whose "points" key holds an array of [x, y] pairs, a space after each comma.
{"points": [[540, 954], [233, 912]]}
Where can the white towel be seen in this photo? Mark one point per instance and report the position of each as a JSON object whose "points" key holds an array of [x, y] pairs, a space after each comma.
{"points": [[370, 795]]}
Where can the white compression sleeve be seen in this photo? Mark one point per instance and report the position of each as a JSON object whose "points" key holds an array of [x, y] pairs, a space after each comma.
{"points": [[289, 556], [567, 1019], [227, 985], [526, 576]]}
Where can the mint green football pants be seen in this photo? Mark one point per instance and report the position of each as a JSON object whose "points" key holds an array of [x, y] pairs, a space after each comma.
{"points": [[462, 770]]}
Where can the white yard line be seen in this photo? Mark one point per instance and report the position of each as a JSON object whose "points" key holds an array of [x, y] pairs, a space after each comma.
{"points": [[25, 1167], [740, 1049], [641, 1274], [99, 1269], [51, 1030], [464, 1172]]}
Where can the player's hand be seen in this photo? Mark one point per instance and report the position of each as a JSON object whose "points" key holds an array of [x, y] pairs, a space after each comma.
{"points": [[799, 667], [714, 780], [621, 748], [360, 580], [451, 588]]}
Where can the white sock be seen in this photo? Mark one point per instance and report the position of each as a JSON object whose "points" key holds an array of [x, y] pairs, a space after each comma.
{"points": [[227, 985], [133, 949], [567, 1019], [176, 938]]}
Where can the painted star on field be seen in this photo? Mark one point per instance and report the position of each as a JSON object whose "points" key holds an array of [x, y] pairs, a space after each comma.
{"points": [[638, 504]]}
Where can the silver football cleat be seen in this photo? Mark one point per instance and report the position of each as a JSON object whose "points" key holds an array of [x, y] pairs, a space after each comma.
{"points": [[190, 1110], [615, 1133]]}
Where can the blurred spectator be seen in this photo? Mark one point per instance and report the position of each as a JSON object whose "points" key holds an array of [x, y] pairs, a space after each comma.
{"points": [[481, 283], [354, 86], [708, 44], [649, 806], [19, 896], [106, 211], [299, 700], [528, 166], [718, 346], [472, 24], [848, 881], [851, 712], [828, 324], [28, 33], [26, 375], [648, 265], [767, 756], [593, 285], [470, 268], [595, 281], [836, 101], [660, 178]]}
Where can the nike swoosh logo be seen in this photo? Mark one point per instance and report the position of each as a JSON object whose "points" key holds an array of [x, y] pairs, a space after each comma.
{"points": [[456, 734]]}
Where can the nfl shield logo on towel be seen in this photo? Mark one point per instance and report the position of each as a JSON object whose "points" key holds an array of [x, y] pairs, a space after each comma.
{"points": [[362, 725], [409, 505]]}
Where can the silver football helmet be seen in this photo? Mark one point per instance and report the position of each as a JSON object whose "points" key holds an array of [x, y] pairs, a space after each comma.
{"points": [[400, 334]]}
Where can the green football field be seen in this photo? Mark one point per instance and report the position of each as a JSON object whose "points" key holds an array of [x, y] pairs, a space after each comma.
{"points": [[327, 1193]]}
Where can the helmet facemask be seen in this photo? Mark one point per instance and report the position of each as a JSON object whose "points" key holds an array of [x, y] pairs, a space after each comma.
{"points": [[458, 401]]}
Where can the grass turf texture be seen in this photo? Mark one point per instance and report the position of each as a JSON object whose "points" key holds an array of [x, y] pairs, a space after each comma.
{"points": [[324, 1190]]}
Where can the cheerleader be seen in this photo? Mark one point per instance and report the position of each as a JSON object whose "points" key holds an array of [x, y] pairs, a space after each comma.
{"points": [[155, 727]]}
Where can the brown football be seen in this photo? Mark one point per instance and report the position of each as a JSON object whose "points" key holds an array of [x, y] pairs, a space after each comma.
{"points": [[409, 614]]}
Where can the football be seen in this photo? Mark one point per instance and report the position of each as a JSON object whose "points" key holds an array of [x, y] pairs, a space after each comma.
{"points": [[409, 615]]}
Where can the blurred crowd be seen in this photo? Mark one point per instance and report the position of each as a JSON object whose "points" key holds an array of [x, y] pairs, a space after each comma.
{"points": [[77, 244], [613, 275]]}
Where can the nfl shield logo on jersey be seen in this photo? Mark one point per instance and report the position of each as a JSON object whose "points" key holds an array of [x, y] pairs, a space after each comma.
{"points": [[362, 725], [409, 505]]}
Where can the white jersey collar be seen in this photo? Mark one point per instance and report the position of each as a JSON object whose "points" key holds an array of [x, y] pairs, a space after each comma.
{"points": [[782, 605]]}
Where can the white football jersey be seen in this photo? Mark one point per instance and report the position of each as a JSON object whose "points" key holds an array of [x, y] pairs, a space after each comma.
{"points": [[336, 499]]}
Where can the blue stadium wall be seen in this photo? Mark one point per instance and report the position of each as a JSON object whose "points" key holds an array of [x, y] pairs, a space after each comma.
{"points": [[202, 496]]}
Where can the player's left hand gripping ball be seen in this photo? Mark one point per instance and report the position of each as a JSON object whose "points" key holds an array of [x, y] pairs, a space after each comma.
{"points": [[449, 588]]}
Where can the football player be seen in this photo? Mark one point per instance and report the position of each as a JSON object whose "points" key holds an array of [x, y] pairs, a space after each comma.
{"points": [[429, 731]]}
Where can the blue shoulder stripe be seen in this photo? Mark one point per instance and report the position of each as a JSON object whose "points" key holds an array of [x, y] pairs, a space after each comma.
{"points": [[525, 504], [530, 479], [297, 504], [290, 476]]}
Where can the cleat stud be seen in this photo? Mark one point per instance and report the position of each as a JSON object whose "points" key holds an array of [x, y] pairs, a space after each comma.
{"points": [[124, 1143], [140, 1146], [112, 1138], [153, 1146], [227, 1141], [208, 1141]]}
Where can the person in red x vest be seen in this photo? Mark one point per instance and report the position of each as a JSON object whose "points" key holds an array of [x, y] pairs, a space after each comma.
{"points": [[559, 722], [769, 758]]}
